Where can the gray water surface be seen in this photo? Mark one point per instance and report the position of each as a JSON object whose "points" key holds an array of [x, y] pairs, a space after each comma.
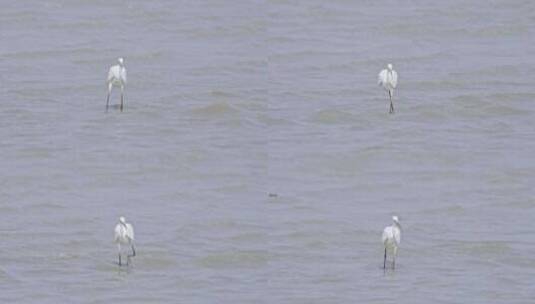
{"points": [[228, 101]]}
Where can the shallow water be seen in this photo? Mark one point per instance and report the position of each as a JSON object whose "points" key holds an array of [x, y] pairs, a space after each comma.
{"points": [[227, 103]]}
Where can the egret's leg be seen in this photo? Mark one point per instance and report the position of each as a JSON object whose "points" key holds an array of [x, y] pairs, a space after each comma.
{"points": [[122, 98], [384, 261], [108, 98], [131, 255], [394, 257], [119, 251], [391, 104]]}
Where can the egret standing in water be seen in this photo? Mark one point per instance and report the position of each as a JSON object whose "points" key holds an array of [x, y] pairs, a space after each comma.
{"points": [[391, 239], [117, 77], [388, 79], [124, 235]]}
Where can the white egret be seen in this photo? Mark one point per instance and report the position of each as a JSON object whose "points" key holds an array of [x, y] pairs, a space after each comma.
{"points": [[388, 79], [391, 239], [124, 235], [116, 76]]}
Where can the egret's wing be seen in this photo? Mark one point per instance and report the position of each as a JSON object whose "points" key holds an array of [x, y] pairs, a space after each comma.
{"points": [[381, 78], [130, 231], [397, 236], [394, 79], [117, 233], [386, 234], [123, 75], [113, 73], [110, 74]]}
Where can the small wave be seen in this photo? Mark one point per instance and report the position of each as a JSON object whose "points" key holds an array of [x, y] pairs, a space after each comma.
{"points": [[331, 116], [488, 248], [503, 30], [454, 210], [247, 259], [511, 97], [218, 109]]}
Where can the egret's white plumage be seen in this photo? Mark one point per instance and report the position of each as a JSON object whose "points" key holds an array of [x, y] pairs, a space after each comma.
{"points": [[116, 77], [124, 235], [391, 239], [388, 79]]}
